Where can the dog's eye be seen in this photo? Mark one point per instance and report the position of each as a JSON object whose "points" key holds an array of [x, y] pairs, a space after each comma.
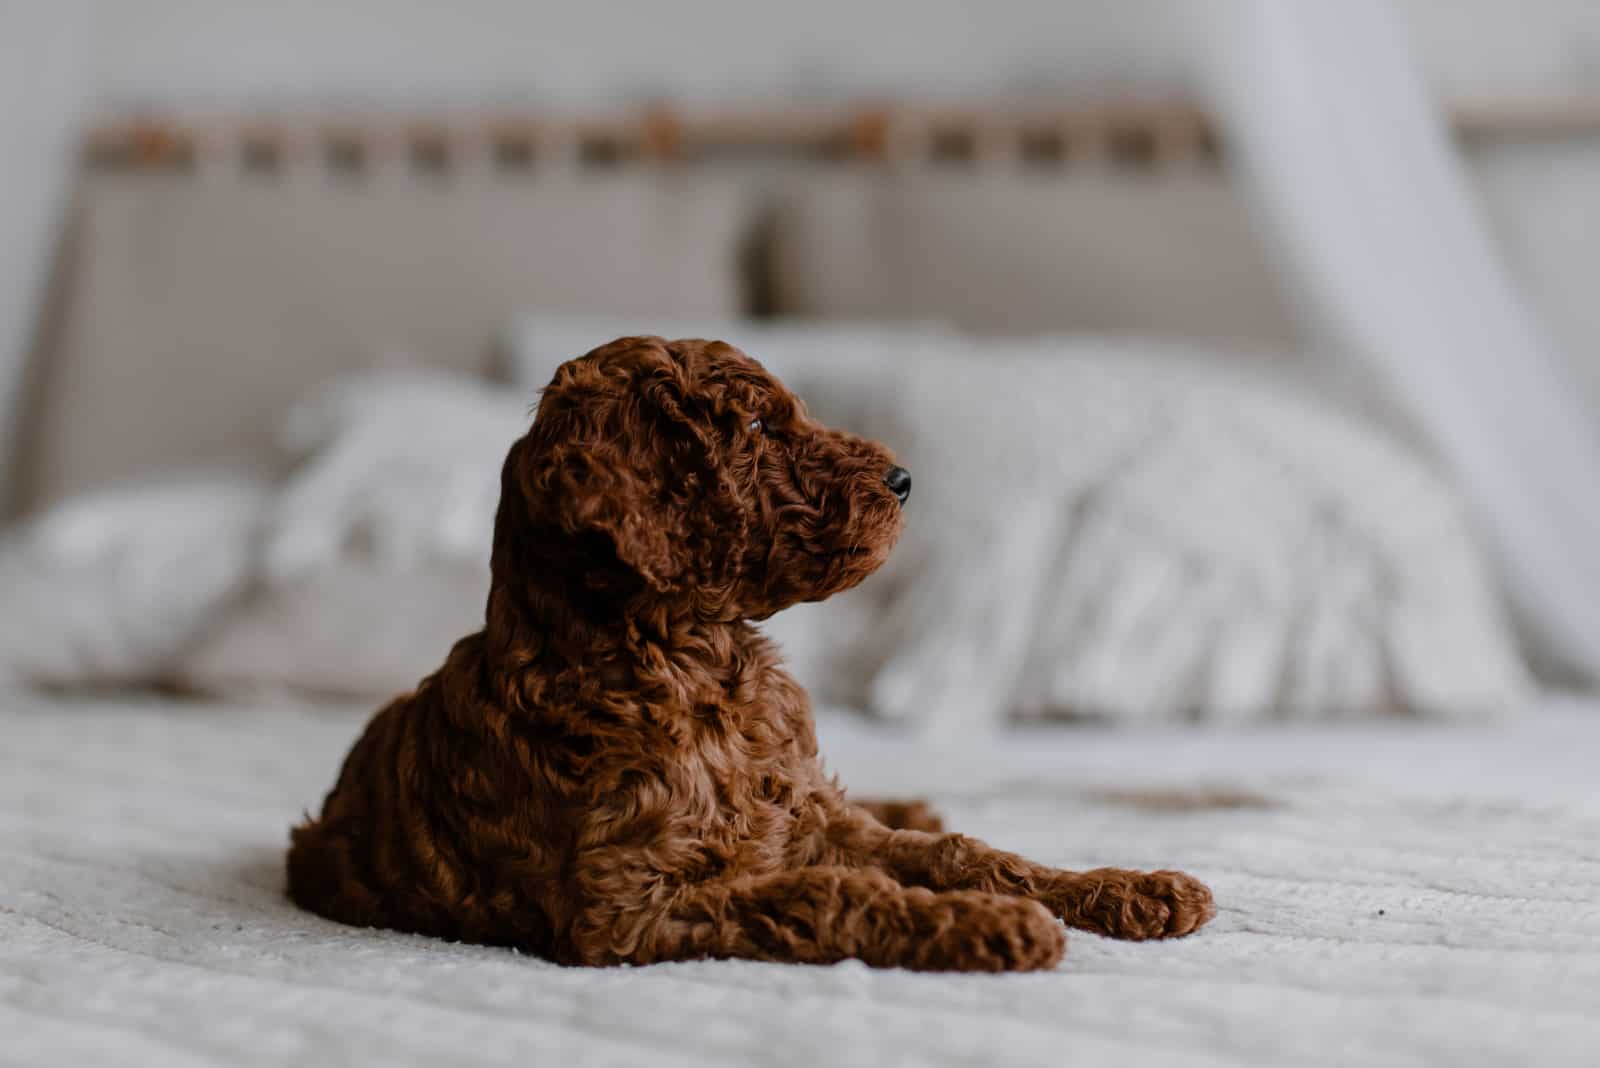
{"points": [[755, 426]]}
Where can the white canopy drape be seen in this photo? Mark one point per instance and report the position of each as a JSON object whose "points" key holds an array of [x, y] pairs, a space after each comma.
{"points": [[45, 50], [1383, 245]]}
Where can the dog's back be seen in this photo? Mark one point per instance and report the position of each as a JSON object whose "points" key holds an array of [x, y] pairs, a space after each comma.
{"points": [[415, 837]]}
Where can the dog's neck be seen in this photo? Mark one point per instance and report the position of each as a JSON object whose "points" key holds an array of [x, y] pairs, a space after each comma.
{"points": [[535, 624], [565, 608]]}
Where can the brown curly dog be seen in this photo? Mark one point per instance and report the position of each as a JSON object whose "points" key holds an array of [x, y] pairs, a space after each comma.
{"points": [[617, 769]]}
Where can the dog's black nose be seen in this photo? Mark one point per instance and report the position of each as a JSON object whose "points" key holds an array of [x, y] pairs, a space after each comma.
{"points": [[899, 482]]}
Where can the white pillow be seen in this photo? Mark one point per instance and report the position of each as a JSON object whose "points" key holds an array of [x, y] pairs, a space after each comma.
{"points": [[399, 467], [375, 556], [111, 587], [1137, 532]]}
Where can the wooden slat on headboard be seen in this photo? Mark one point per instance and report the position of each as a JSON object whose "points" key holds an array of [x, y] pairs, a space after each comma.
{"points": [[1147, 133], [1133, 133]]}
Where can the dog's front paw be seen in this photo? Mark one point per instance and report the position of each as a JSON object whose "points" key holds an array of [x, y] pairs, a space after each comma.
{"points": [[1135, 905], [973, 932]]}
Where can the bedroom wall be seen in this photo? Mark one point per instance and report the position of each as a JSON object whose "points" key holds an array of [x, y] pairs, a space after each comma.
{"points": [[498, 49], [153, 50], [372, 53], [43, 89]]}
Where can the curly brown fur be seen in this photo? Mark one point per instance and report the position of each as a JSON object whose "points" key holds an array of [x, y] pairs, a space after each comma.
{"points": [[616, 768]]}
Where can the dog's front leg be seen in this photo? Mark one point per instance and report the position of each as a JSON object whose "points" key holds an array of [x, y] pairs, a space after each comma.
{"points": [[911, 814], [1109, 901], [821, 915]]}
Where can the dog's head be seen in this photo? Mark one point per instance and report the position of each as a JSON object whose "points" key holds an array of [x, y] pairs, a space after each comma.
{"points": [[683, 470]]}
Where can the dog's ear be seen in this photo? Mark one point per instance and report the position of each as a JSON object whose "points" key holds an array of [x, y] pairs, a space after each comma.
{"points": [[617, 459], [598, 493]]}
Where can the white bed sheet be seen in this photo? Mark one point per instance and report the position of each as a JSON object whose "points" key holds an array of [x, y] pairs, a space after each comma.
{"points": [[1388, 894]]}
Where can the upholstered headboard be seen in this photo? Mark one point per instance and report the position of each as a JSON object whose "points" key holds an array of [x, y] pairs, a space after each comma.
{"points": [[222, 268], [199, 306]]}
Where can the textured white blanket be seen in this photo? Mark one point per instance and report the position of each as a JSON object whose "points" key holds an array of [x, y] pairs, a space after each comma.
{"points": [[1389, 895]]}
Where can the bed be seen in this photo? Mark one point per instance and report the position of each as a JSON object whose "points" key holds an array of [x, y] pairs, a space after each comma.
{"points": [[230, 496], [1390, 894]]}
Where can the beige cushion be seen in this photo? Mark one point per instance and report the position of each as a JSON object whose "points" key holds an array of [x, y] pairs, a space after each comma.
{"points": [[354, 631], [201, 305], [1010, 250]]}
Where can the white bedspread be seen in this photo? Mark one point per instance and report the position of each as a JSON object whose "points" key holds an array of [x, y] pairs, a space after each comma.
{"points": [[1389, 895]]}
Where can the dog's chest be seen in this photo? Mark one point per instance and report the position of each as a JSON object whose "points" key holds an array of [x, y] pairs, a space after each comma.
{"points": [[749, 774]]}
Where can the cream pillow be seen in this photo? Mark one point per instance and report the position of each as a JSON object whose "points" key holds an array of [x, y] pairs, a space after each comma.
{"points": [[374, 557], [200, 306], [1009, 250], [355, 629]]}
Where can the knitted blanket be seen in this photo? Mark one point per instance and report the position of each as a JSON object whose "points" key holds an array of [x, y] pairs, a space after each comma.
{"points": [[1388, 895]]}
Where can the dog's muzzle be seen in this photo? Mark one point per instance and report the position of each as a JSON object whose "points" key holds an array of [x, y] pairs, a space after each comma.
{"points": [[898, 479]]}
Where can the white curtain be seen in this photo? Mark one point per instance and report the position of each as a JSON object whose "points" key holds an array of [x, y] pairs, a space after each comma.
{"points": [[45, 52], [1382, 242]]}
